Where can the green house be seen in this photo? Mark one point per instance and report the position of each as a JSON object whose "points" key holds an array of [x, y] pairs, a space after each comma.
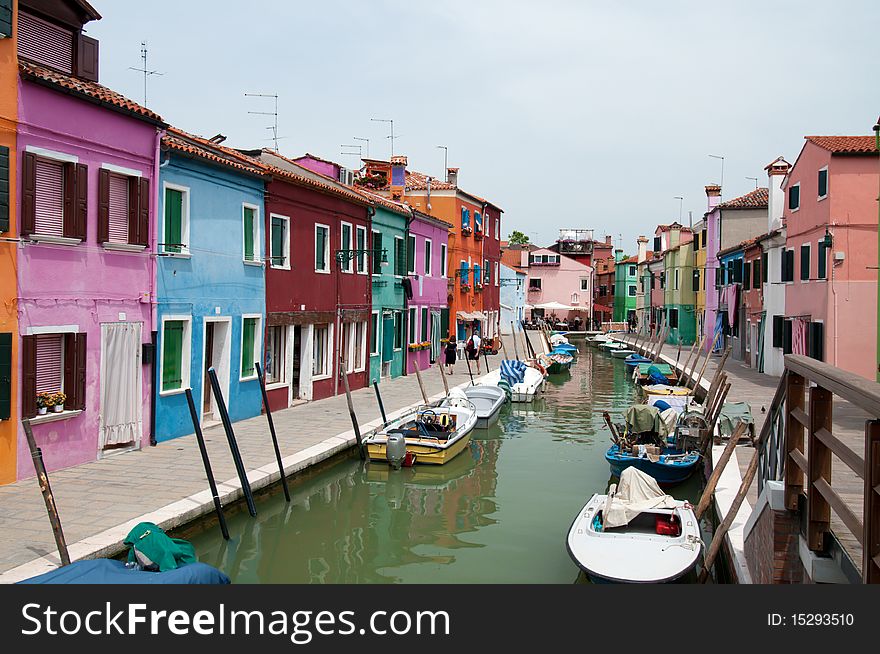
{"points": [[626, 282]]}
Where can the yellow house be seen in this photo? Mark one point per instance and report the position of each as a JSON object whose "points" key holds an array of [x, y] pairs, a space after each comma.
{"points": [[700, 269]]}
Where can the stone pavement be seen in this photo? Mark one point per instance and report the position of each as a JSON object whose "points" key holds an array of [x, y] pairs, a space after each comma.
{"points": [[106, 494]]}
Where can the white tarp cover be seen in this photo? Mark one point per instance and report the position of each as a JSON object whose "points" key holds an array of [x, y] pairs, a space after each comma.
{"points": [[637, 492]]}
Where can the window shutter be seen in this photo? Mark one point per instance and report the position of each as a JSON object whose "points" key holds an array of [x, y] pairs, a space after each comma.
{"points": [[28, 193], [5, 18], [45, 42], [822, 261], [777, 330], [817, 343], [68, 212], [80, 378], [28, 376], [5, 375], [247, 347], [70, 378], [823, 182], [805, 262], [143, 203], [103, 205], [377, 253], [756, 274], [87, 57], [764, 259], [4, 184], [173, 236], [786, 337]]}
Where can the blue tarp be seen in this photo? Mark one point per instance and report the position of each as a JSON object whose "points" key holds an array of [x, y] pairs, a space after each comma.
{"points": [[512, 371], [109, 571]]}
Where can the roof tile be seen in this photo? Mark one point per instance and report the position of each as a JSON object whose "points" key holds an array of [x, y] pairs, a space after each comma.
{"points": [[845, 144], [757, 199]]}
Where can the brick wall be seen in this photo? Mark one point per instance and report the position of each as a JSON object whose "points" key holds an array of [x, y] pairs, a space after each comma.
{"points": [[772, 549]]}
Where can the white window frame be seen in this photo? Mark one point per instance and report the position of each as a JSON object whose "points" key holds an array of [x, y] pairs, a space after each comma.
{"points": [[444, 248], [412, 326], [258, 339], [415, 243], [286, 244], [399, 238], [497, 272], [346, 266], [498, 228], [378, 330], [257, 260], [326, 249], [328, 351], [359, 229], [372, 250], [185, 355], [585, 283], [184, 220], [358, 366], [428, 267], [827, 185], [285, 330], [788, 196]]}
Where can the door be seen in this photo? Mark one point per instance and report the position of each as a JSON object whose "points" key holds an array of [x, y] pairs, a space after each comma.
{"points": [[217, 354], [387, 343], [297, 359], [209, 363], [121, 417]]}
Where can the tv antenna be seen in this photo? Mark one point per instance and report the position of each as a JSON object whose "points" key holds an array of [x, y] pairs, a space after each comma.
{"points": [[755, 180], [445, 158], [367, 141], [351, 152], [274, 114], [391, 121], [145, 69], [718, 156]]}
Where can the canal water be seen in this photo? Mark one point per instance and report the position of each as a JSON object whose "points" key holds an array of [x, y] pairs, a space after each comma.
{"points": [[499, 512]]}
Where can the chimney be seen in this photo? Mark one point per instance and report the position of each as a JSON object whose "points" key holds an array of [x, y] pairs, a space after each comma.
{"points": [[452, 176], [776, 172], [643, 248], [607, 239], [618, 255], [398, 176], [713, 193]]}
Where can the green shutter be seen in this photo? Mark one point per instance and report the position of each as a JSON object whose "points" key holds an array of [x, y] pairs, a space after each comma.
{"points": [[360, 245], [424, 331], [278, 242], [5, 375], [377, 253], [4, 179], [320, 247], [249, 329], [172, 355], [249, 234], [346, 237], [411, 254], [5, 18], [173, 220], [427, 257], [822, 269], [399, 257], [374, 333], [389, 336]]}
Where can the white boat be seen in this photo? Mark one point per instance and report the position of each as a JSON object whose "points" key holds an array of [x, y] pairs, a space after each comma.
{"points": [[487, 400], [635, 534], [612, 345], [621, 352], [597, 340], [524, 391]]}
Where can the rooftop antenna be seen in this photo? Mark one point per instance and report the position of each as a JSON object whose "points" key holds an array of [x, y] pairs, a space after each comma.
{"points": [[367, 141], [357, 154], [145, 69], [274, 114], [445, 158], [754, 179], [718, 156], [391, 121], [680, 205]]}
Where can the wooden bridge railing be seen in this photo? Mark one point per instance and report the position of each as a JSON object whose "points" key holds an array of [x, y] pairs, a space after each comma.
{"points": [[797, 444]]}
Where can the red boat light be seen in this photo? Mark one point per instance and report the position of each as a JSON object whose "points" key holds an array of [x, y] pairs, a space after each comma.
{"points": [[667, 525]]}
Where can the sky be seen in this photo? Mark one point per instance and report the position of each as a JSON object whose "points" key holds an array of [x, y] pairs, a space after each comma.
{"points": [[582, 114]]}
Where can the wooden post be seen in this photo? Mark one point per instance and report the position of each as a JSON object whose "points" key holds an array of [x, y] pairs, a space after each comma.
{"points": [[614, 435], [354, 422], [794, 439], [419, 379], [262, 381], [871, 516], [46, 490], [503, 347], [443, 375], [687, 363], [515, 348], [706, 362], [818, 508], [206, 462], [718, 469], [661, 343], [381, 404]]}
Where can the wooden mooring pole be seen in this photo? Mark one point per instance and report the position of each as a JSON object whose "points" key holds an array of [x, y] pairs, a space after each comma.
{"points": [[419, 379], [381, 404], [281, 472], [46, 490], [203, 450], [709, 491], [354, 422]]}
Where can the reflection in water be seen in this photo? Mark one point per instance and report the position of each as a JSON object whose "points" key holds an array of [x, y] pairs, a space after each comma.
{"points": [[498, 512]]}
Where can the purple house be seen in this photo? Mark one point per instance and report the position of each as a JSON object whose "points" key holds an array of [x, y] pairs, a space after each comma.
{"points": [[429, 285], [87, 165]]}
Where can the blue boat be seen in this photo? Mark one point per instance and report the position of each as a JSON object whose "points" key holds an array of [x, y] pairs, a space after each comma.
{"points": [[673, 467], [109, 571], [566, 348], [635, 359]]}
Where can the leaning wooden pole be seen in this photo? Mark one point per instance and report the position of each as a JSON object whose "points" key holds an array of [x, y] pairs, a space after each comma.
{"points": [[515, 348], [687, 362], [46, 490], [419, 379], [443, 376], [281, 472], [706, 498], [706, 361], [206, 462], [354, 423]]}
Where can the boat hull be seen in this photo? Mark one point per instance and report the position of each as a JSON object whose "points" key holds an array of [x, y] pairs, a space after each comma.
{"points": [[666, 474], [425, 454]]}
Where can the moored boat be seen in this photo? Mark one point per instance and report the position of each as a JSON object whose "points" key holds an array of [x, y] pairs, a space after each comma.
{"points": [[635, 359], [667, 465], [527, 381], [487, 401], [621, 353]]}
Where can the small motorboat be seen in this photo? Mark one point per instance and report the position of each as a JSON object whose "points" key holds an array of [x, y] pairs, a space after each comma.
{"points": [[652, 373], [527, 381], [622, 353], [567, 348], [487, 400], [111, 571], [612, 345], [597, 340], [635, 359], [667, 465], [431, 434], [557, 362], [665, 396], [635, 534]]}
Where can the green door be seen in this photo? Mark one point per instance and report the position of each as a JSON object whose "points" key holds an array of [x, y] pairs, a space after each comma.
{"points": [[387, 338]]}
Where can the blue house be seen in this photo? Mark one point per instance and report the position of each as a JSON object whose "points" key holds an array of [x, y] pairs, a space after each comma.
{"points": [[513, 297], [211, 290]]}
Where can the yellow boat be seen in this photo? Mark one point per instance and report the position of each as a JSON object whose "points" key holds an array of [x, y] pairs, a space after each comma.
{"points": [[431, 435]]}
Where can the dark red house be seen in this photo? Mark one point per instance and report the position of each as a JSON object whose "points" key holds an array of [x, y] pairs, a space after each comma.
{"points": [[317, 307], [492, 268]]}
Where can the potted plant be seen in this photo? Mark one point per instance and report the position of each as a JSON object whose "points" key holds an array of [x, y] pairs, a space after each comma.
{"points": [[43, 403], [58, 401]]}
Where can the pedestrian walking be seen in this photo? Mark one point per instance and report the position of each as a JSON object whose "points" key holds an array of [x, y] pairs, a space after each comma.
{"points": [[450, 354], [472, 349]]}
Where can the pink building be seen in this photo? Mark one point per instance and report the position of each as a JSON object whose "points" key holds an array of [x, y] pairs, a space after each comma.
{"points": [[556, 278], [829, 265]]}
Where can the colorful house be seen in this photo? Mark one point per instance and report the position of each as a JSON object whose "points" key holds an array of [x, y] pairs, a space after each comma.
{"points": [[211, 287], [753, 302], [699, 231], [773, 246], [603, 301], [731, 311], [680, 292], [626, 283], [513, 298], [8, 247], [554, 279], [87, 160], [579, 244], [830, 261]]}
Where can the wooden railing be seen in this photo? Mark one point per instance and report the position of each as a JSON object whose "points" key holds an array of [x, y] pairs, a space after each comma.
{"points": [[798, 443]]}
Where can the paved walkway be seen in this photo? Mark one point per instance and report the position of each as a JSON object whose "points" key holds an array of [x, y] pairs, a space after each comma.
{"points": [[105, 496]]}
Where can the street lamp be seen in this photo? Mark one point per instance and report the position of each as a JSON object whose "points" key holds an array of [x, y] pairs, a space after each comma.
{"points": [[344, 256]]}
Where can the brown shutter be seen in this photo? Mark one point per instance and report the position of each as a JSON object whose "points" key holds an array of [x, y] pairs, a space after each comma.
{"points": [[80, 384], [28, 193], [133, 210], [82, 201], [70, 369], [69, 211], [87, 57], [103, 205], [28, 376], [143, 212]]}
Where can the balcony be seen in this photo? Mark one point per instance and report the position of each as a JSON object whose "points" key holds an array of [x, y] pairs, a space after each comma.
{"points": [[544, 263], [534, 289]]}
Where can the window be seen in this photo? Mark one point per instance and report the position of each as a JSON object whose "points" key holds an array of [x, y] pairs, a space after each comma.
{"points": [[794, 197], [487, 272], [778, 329], [632, 271], [358, 344], [50, 197], [399, 256], [464, 273], [322, 248], [747, 276], [175, 233], [656, 244], [612, 289], [398, 330], [347, 264], [276, 355], [250, 346], [51, 362], [321, 352], [411, 319], [653, 280], [424, 325], [603, 290], [4, 186], [823, 185], [822, 260], [756, 273], [585, 283], [45, 43], [377, 253], [738, 271], [428, 257], [675, 280], [662, 281], [411, 254], [535, 283], [764, 267], [478, 222], [816, 341], [54, 195], [673, 318], [175, 353], [696, 241], [361, 245], [374, 333], [632, 290], [279, 244], [786, 337], [251, 227], [696, 280], [443, 270], [805, 262], [498, 228], [6, 375], [465, 219]]}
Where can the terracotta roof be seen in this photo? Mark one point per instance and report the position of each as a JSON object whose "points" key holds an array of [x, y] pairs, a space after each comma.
{"points": [[756, 199], [87, 90], [196, 146], [742, 245], [845, 144], [302, 176], [309, 155], [391, 205]]}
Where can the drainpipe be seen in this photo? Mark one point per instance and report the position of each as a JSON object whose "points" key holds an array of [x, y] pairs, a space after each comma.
{"points": [[154, 272], [877, 143], [405, 320]]}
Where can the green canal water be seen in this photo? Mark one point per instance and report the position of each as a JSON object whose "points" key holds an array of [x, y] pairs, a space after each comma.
{"points": [[499, 512]]}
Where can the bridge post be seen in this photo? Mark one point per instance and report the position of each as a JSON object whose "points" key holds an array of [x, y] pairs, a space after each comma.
{"points": [[794, 439], [818, 507], [871, 518]]}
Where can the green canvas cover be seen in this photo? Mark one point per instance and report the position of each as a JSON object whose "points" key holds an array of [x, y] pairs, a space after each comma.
{"points": [[645, 418], [664, 368], [154, 546], [732, 414]]}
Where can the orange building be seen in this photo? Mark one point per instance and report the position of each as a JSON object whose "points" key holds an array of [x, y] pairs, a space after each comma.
{"points": [[8, 246], [474, 239]]}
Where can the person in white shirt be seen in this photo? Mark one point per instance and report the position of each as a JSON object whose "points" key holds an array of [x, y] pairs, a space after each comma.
{"points": [[473, 349]]}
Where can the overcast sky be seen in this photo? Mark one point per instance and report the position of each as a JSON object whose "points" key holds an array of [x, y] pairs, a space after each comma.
{"points": [[566, 114]]}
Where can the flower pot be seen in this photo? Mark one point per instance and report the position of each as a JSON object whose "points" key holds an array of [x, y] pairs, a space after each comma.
{"points": [[42, 411], [58, 408]]}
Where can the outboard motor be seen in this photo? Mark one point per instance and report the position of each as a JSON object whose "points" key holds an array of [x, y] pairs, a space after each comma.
{"points": [[395, 450]]}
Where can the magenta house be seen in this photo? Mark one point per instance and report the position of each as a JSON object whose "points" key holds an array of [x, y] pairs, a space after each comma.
{"points": [[429, 304], [87, 165]]}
